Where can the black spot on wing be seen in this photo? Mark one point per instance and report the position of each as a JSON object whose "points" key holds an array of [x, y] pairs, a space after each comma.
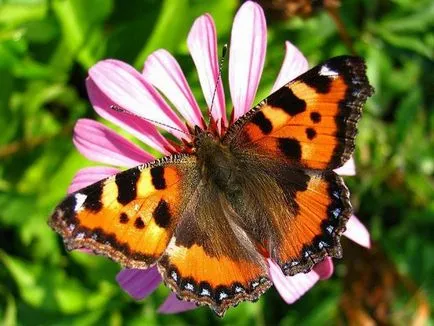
{"points": [[162, 214], [310, 133], [138, 223], [262, 122], [157, 174], [123, 218], [315, 117], [321, 84], [127, 185], [93, 197], [290, 147], [285, 99]]}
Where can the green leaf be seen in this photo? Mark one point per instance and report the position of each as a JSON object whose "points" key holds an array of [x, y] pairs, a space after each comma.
{"points": [[408, 42], [14, 13], [406, 114], [171, 29], [77, 19], [8, 316], [52, 290]]}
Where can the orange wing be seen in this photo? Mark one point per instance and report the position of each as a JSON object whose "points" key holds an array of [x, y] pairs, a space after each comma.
{"points": [[129, 217], [163, 213], [311, 121], [211, 260], [311, 230], [289, 142]]}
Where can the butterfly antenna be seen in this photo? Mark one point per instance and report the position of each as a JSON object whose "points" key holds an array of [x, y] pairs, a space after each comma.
{"points": [[222, 60], [121, 110]]}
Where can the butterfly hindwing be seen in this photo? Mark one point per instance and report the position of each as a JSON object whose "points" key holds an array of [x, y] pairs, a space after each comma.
{"points": [[210, 259], [129, 217], [311, 121], [312, 228], [294, 216]]}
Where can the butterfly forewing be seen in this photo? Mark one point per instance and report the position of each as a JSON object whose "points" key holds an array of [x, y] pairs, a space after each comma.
{"points": [[310, 122], [129, 217]]}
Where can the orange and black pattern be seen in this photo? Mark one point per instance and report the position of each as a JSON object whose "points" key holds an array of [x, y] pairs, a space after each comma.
{"points": [[210, 217], [129, 217], [310, 122], [315, 222]]}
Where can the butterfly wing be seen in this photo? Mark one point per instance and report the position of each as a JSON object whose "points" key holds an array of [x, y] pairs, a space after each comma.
{"points": [[311, 228], [131, 216], [289, 144], [311, 121], [210, 259], [163, 212]]}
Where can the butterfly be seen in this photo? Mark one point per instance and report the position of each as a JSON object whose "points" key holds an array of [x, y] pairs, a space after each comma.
{"points": [[211, 214]]}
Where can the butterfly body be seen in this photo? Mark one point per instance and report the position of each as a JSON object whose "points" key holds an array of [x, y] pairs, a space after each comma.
{"points": [[210, 217], [217, 162]]}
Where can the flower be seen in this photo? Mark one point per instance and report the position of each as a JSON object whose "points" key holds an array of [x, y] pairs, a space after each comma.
{"points": [[112, 82]]}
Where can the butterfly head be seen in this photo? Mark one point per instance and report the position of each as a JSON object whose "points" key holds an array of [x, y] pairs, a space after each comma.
{"points": [[204, 139], [217, 162]]}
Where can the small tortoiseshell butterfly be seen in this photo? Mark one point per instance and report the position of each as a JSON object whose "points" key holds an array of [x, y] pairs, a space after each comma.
{"points": [[210, 215]]}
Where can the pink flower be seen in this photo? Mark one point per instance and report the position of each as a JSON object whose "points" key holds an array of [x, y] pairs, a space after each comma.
{"points": [[112, 82]]}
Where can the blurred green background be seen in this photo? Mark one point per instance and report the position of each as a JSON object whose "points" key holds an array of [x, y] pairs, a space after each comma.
{"points": [[46, 48]]}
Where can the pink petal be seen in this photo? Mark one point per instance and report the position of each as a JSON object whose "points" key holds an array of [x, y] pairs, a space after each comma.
{"points": [[101, 144], [140, 128], [139, 283], [163, 71], [202, 43], [173, 305], [324, 269], [357, 232], [127, 88], [291, 288], [88, 176], [349, 168], [293, 66], [247, 55]]}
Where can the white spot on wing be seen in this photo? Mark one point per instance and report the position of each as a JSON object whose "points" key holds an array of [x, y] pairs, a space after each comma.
{"points": [[223, 295], [239, 289], [326, 71], [79, 201], [189, 286], [336, 212], [205, 292]]}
